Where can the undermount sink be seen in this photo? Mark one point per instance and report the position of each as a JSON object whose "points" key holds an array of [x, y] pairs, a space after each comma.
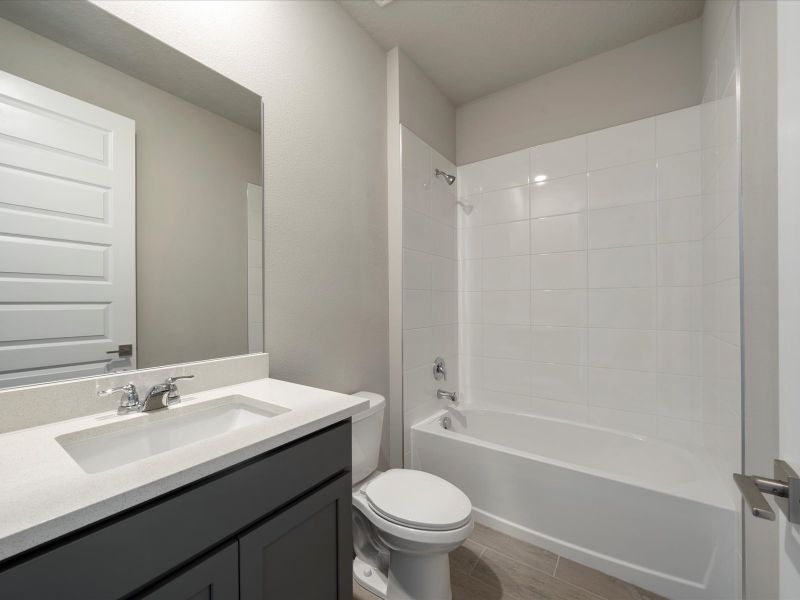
{"points": [[102, 448]]}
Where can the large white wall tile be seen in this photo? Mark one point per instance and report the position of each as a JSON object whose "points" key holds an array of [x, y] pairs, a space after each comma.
{"points": [[623, 267], [680, 353], [416, 191], [559, 307], [508, 273], [623, 349], [680, 396], [507, 341], [416, 308], [623, 226], [506, 375], [417, 347], [444, 308], [559, 234], [469, 243], [566, 345], [416, 270], [507, 308], [566, 383], [623, 390], [471, 307], [679, 176], [680, 264], [680, 220], [559, 196], [622, 144], [558, 159], [623, 308], [508, 239], [680, 308], [503, 206], [562, 270], [417, 231], [621, 186], [444, 273]]}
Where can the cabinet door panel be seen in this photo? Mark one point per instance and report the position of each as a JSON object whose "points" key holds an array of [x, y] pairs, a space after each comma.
{"points": [[304, 552], [215, 577]]}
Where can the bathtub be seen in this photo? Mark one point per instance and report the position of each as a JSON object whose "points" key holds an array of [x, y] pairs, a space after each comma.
{"points": [[646, 511]]}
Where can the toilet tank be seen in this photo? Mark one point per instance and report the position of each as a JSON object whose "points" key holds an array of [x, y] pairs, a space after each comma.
{"points": [[367, 430]]}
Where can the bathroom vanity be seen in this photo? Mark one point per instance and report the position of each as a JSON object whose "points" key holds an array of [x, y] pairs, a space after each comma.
{"points": [[242, 514]]}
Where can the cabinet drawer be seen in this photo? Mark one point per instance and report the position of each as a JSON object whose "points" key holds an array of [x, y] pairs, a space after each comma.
{"points": [[120, 556]]}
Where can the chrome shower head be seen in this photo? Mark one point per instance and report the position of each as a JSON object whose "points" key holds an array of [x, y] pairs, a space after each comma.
{"points": [[450, 179]]}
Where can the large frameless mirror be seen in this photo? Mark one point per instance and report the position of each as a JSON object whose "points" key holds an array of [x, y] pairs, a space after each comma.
{"points": [[130, 200]]}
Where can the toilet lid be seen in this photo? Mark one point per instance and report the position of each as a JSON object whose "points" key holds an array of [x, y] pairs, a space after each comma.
{"points": [[419, 500]]}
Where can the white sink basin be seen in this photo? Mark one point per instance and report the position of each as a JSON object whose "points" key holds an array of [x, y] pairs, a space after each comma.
{"points": [[109, 446]]}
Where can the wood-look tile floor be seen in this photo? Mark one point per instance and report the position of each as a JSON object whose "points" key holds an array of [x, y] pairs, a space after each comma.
{"points": [[493, 566]]}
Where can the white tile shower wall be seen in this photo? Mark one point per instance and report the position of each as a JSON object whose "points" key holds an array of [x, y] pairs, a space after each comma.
{"points": [[580, 278], [430, 280]]}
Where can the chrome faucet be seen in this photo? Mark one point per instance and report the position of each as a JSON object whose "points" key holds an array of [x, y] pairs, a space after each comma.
{"points": [[130, 398], [445, 395], [174, 396], [161, 395]]}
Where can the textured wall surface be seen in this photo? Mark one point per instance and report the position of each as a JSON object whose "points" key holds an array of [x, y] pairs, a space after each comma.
{"points": [[323, 80]]}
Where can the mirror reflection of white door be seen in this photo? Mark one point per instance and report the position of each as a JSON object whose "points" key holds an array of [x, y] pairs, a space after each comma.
{"points": [[67, 235]]}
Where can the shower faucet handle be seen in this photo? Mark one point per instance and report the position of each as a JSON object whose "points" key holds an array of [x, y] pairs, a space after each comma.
{"points": [[439, 369]]}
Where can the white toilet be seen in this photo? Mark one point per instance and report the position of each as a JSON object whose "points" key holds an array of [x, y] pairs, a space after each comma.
{"points": [[405, 522]]}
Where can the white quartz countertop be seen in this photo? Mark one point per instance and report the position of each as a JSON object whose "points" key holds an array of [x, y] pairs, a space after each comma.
{"points": [[44, 494]]}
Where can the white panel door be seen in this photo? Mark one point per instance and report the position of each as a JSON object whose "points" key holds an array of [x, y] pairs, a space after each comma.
{"points": [[67, 235]]}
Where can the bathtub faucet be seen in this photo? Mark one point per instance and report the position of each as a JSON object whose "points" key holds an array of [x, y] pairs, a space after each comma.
{"points": [[444, 395]]}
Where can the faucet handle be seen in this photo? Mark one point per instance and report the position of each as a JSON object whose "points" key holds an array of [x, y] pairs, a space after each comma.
{"points": [[439, 369], [174, 396], [129, 401]]}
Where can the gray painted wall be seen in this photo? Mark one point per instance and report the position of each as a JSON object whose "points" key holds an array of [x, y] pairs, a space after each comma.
{"points": [[192, 167], [425, 110], [323, 80], [657, 74]]}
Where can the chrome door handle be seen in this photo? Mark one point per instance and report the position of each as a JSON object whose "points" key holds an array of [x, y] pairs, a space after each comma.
{"points": [[122, 350], [785, 487]]}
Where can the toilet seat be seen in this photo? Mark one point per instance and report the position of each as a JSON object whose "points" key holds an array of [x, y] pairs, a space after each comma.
{"points": [[418, 500]]}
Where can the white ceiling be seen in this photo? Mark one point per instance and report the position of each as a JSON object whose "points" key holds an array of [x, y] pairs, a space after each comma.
{"points": [[471, 48]]}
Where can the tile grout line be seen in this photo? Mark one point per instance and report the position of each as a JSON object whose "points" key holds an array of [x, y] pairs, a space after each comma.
{"points": [[555, 568]]}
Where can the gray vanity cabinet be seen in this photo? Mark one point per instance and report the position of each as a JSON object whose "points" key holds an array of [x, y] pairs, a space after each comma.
{"points": [[302, 552], [276, 526]]}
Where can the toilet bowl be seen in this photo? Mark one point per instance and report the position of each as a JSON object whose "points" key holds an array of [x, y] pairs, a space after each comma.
{"points": [[405, 522]]}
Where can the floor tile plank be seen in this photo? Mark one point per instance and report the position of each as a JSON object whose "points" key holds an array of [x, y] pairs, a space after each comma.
{"points": [[521, 581], [527, 554], [603, 585]]}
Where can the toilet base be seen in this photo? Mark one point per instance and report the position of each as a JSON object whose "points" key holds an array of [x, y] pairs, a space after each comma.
{"points": [[411, 577], [369, 578]]}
